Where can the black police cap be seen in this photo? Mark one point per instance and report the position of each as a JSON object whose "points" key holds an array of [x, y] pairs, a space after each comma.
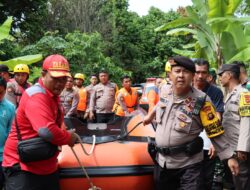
{"points": [[183, 62], [229, 67], [4, 68]]}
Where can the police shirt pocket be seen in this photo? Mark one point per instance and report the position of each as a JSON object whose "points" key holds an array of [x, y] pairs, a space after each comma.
{"points": [[159, 113], [111, 92], [235, 112], [182, 122], [99, 93]]}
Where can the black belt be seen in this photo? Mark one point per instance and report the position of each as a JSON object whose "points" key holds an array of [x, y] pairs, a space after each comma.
{"points": [[171, 150], [190, 148]]}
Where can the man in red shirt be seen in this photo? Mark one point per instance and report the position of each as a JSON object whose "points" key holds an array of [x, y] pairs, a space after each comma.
{"points": [[39, 114]]}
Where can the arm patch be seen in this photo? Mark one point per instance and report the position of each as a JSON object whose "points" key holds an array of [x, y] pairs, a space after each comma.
{"points": [[244, 107], [210, 121]]}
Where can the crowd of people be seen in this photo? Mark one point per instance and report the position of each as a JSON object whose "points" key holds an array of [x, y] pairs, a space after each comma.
{"points": [[202, 136]]}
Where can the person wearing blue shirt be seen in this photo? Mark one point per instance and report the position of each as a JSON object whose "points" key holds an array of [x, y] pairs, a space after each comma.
{"points": [[212, 178], [7, 113]]}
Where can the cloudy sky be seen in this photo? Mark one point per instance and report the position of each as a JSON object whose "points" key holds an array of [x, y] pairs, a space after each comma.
{"points": [[142, 6]]}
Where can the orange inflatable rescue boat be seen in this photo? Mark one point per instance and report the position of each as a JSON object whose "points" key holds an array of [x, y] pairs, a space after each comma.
{"points": [[119, 160]]}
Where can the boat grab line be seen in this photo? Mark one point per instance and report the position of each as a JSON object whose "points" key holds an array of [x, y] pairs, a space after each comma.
{"points": [[92, 186]]}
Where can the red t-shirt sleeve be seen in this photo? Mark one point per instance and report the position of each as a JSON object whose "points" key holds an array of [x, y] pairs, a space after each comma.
{"points": [[42, 112]]}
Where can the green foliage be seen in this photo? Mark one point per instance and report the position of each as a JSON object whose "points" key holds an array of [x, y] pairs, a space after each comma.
{"points": [[9, 49], [35, 74], [29, 18], [83, 51], [218, 35], [28, 59], [5, 29], [49, 44], [92, 35], [136, 46]]}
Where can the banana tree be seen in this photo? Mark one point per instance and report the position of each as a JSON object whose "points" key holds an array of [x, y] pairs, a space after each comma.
{"points": [[5, 34], [217, 33]]}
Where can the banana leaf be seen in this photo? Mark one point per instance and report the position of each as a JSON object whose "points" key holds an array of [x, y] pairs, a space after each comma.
{"points": [[173, 24], [28, 59], [181, 31], [243, 55], [5, 29]]}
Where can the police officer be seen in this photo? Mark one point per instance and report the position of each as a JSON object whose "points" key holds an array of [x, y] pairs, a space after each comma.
{"points": [[103, 99], [69, 98], [235, 118], [16, 86], [243, 147], [181, 115], [90, 90]]}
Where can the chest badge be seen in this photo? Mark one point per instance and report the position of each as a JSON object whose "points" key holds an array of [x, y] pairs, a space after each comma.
{"points": [[182, 124], [183, 117]]}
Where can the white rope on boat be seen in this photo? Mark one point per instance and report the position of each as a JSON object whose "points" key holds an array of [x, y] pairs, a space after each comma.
{"points": [[92, 147], [92, 186]]}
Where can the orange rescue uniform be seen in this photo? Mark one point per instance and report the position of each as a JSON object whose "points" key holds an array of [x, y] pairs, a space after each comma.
{"points": [[82, 105], [125, 101]]}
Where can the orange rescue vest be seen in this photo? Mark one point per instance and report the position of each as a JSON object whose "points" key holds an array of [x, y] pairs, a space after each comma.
{"points": [[130, 100], [82, 105]]}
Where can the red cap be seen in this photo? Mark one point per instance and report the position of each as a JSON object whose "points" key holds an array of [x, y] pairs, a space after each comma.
{"points": [[56, 65]]}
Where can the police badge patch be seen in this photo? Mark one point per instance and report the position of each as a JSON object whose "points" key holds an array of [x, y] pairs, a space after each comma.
{"points": [[210, 121], [244, 107]]}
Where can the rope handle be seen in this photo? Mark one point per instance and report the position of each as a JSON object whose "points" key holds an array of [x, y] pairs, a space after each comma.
{"points": [[83, 148], [92, 186]]}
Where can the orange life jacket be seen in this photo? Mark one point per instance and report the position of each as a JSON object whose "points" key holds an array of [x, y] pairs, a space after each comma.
{"points": [[153, 98], [82, 105], [130, 100]]}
